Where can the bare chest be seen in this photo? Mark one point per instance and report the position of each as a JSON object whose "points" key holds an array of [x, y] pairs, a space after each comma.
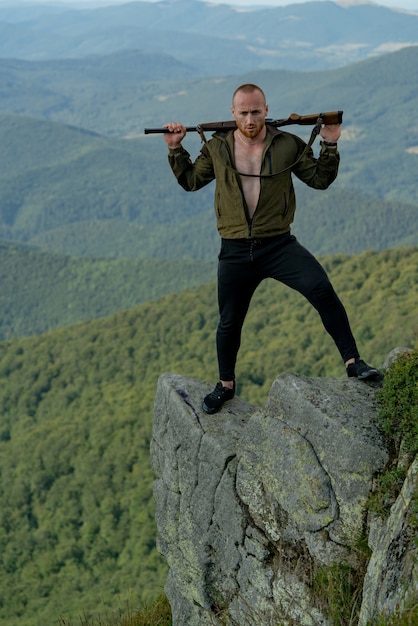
{"points": [[248, 162], [248, 158]]}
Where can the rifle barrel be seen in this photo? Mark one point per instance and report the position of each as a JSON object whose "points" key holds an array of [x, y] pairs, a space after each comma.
{"points": [[154, 131], [331, 117]]}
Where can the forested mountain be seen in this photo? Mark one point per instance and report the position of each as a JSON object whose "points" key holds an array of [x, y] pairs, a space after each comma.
{"points": [[93, 225], [74, 191], [77, 534], [41, 291], [205, 35]]}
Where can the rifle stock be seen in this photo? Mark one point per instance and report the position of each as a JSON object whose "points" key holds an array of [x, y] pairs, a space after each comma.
{"points": [[330, 117]]}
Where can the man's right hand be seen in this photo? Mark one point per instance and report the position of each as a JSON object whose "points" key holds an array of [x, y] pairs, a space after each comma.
{"points": [[176, 135]]}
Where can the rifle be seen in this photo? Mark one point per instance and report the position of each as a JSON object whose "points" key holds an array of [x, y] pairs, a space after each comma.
{"points": [[331, 117]]}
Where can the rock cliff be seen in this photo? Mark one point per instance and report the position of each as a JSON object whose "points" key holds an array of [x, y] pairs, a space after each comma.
{"points": [[256, 506]]}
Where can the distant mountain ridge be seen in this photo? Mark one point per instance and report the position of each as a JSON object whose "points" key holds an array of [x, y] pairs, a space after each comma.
{"points": [[302, 36]]}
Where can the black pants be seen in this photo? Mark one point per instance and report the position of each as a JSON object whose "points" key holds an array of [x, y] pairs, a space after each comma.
{"points": [[244, 263]]}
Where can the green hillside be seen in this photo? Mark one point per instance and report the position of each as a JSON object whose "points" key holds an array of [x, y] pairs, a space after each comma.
{"points": [[77, 532], [41, 291], [75, 176], [93, 92], [79, 177]]}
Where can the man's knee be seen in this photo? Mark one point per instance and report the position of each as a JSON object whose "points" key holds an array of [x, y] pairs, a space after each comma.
{"points": [[323, 293]]}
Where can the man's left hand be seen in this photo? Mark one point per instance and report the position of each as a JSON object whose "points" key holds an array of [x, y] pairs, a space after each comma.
{"points": [[330, 132]]}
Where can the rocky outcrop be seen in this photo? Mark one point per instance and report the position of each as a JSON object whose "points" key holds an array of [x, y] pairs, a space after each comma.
{"points": [[254, 505]]}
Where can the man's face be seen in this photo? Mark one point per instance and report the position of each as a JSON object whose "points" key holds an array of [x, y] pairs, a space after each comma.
{"points": [[249, 111]]}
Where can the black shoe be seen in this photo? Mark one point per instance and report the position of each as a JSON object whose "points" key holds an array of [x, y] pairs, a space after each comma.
{"points": [[362, 371], [215, 400]]}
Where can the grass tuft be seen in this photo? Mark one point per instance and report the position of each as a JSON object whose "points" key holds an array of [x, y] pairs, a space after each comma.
{"points": [[157, 613]]}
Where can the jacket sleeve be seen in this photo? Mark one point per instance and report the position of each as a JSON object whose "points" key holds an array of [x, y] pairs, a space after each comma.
{"points": [[319, 172], [191, 176]]}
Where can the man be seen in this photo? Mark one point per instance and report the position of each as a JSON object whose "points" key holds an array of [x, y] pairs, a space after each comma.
{"points": [[254, 207]]}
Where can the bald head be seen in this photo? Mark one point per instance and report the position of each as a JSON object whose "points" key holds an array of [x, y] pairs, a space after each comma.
{"points": [[248, 88]]}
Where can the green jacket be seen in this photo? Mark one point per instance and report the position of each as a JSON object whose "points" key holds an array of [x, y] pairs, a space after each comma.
{"points": [[277, 204]]}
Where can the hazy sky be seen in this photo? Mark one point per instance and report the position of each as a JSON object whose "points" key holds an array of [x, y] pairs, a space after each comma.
{"points": [[398, 4]]}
